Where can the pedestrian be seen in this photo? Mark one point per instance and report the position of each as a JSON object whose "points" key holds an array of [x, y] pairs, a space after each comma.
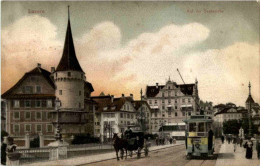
{"points": [[249, 148], [171, 140], [235, 143], [156, 140], [229, 139], [241, 141], [222, 139], [258, 149]]}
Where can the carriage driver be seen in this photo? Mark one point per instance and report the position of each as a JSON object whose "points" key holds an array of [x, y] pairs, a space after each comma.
{"points": [[128, 133]]}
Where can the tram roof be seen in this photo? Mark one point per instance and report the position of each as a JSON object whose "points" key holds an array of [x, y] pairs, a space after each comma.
{"points": [[198, 118]]}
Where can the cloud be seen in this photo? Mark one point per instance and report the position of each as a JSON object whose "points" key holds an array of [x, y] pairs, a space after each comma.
{"points": [[26, 42], [114, 68]]}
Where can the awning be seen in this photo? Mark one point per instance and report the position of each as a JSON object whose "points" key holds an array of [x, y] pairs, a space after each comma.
{"points": [[188, 105], [154, 107], [169, 105]]}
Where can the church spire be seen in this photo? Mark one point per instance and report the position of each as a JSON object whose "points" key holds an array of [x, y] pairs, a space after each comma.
{"points": [[69, 59]]}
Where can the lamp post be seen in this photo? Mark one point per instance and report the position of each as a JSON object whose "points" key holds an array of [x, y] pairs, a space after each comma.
{"points": [[58, 135]]}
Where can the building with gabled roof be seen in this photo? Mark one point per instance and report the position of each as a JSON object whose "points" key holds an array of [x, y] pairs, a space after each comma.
{"points": [[171, 103]]}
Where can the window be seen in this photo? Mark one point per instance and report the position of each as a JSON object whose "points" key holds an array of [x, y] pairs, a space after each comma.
{"points": [[162, 94], [38, 89], [79, 105], [38, 103], [175, 100], [169, 113], [189, 100], [38, 115], [169, 93], [155, 101], [16, 115], [48, 115], [163, 115], [176, 114], [189, 113], [49, 103], [112, 115], [27, 128], [27, 115], [38, 128], [16, 128], [79, 93], [183, 100], [169, 88], [183, 113], [121, 115], [28, 89], [49, 128], [150, 101], [69, 74], [27, 103], [169, 101], [155, 114], [16, 103], [163, 107], [128, 115], [60, 92], [169, 109], [175, 93], [163, 101], [176, 107]]}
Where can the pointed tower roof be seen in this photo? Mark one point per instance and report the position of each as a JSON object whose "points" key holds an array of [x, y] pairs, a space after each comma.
{"points": [[250, 99], [69, 60]]}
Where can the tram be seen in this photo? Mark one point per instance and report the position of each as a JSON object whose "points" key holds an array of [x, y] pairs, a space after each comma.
{"points": [[199, 136]]}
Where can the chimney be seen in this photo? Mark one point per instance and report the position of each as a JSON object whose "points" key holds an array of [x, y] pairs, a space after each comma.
{"points": [[123, 95], [157, 85], [112, 98], [131, 95], [52, 69], [39, 65]]}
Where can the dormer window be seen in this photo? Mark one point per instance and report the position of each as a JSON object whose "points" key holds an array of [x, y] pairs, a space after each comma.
{"points": [[69, 74]]}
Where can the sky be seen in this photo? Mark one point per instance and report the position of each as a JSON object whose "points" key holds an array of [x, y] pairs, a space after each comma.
{"points": [[125, 46]]}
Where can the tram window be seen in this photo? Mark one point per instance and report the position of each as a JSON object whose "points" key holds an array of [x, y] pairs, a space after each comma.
{"points": [[192, 127], [201, 127]]}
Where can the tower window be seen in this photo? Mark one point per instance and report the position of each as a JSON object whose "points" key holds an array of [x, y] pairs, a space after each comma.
{"points": [[69, 74], [60, 92]]}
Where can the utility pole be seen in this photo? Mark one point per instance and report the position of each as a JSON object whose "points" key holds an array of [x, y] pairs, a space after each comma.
{"points": [[249, 114]]}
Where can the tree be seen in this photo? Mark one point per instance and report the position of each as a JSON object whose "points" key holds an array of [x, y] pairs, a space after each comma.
{"points": [[245, 126], [231, 127]]}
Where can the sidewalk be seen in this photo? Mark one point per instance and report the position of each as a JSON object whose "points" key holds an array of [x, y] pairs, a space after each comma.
{"points": [[227, 156], [93, 158]]}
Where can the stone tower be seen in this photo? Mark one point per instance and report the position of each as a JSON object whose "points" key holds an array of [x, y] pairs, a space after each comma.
{"points": [[70, 84], [69, 76]]}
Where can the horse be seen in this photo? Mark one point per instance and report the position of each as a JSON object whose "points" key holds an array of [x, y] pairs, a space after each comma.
{"points": [[120, 144]]}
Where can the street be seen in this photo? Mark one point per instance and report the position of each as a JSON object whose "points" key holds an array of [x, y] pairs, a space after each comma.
{"points": [[174, 156]]}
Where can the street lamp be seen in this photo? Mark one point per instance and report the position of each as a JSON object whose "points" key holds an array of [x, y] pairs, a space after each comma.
{"points": [[249, 119], [58, 135]]}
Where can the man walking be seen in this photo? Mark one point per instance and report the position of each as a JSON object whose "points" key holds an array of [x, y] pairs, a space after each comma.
{"points": [[222, 139]]}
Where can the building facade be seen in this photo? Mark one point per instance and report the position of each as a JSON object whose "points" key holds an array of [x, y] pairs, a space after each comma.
{"points": [[29, 104], [171, 103]]}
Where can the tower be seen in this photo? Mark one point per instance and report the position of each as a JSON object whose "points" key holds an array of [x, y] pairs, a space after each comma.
{"points": [[70, 82], [69, 77]]}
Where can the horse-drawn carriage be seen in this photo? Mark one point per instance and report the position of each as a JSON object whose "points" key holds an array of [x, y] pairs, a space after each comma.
{"points": [[135, 142]]}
